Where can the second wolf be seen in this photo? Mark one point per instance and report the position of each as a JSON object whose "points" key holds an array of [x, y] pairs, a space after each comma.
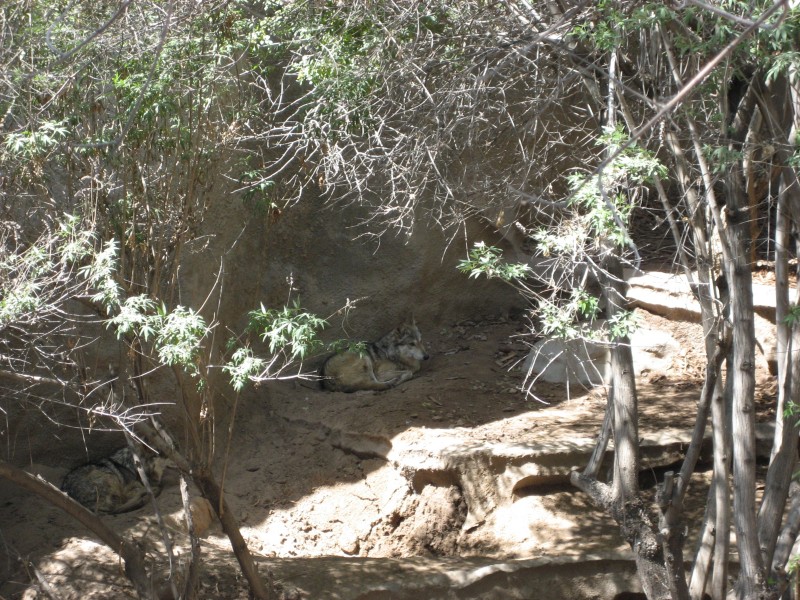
{"points": [[380, 365], [112, 485]]}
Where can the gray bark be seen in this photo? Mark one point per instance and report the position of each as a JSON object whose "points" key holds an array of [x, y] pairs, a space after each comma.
{"points": [[622, 500], [751, 583], [781, 108], [721, 491]]}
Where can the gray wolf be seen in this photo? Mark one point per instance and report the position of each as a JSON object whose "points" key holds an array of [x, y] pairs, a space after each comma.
{"points": [[379, 365], [112, 485]]}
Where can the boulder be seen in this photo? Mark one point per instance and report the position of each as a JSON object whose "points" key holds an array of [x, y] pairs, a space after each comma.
{"points": [[587, 362]]}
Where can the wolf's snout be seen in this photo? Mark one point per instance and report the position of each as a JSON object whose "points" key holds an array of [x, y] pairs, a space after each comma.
{"points": [[425, 356]]}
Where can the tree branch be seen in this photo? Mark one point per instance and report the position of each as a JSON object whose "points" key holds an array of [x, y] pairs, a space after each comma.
{"points": [[134, 562]]}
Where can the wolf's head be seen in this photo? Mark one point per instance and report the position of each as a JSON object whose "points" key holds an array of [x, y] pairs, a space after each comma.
{"points": [[404, 345], [156, 465]]}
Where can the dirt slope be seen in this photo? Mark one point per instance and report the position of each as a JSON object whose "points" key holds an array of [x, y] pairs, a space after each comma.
{"points": [[443, 466]]}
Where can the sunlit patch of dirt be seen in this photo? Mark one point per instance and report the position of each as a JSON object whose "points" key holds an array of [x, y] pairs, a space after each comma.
{"points": [[302, 487]]}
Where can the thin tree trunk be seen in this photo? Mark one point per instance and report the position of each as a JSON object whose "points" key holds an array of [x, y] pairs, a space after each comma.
{"points": [[720, 486], [784, 454], [714, 546], [637, 529], [622, 499], [212, 492], [751, 583], [787, 539], [704, 554], [596, 460], [193, 571], [776, 106]]}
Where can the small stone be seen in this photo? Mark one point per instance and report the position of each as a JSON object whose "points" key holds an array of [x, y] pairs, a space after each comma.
{"points": [[349, 542]]}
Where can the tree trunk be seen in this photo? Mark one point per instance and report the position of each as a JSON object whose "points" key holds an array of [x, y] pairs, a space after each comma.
{"points": [[784, 453], [623, 500], [780, 105], [721, 491], [751, 583], [637, 529], [212, 492]]}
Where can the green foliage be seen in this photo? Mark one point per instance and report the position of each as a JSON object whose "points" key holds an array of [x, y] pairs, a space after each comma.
{"points": [[289, 327], [570, 319], [612, 22], [17, 300], [136, 316], [487, 260], [599, 208], [242, 366], [177, 335], [355, 347], [333, 52], [622, 324], [792, 411], [100, 273], [793, 564], [606, 29], [28, 145], [793, 316], [77, 241], [634, 165], [31, 263], [785, 63], [602, 203], [35, 278], [258, 189], [566, 240], [576, 318], [290, 331], [722, 158]]}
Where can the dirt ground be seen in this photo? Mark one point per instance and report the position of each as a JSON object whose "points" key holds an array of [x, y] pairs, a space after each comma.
{"points": [[319, 474]]}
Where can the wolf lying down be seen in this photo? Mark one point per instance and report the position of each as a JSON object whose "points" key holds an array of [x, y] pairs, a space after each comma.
{"points": [[112, 485], [381, 365]]}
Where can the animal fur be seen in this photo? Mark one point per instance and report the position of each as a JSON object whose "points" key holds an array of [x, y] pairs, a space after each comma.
{"points": [[382, 365], [112, 485]]}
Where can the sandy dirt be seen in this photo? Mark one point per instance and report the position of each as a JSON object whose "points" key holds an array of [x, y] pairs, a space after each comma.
{"points": [[314, 473]]}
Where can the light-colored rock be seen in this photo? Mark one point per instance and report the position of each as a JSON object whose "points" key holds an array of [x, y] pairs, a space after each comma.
{"points": [[203, 517], [578, 361], [587, 362], [349, 542], [668, 295]]}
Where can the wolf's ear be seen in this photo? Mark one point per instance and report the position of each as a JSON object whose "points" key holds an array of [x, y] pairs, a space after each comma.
{"points": [[407, 320]]}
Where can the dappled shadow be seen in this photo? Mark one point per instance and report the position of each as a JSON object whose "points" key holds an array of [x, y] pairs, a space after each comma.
{"points": [[313, 473], [337, 578], [67, 556]]}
